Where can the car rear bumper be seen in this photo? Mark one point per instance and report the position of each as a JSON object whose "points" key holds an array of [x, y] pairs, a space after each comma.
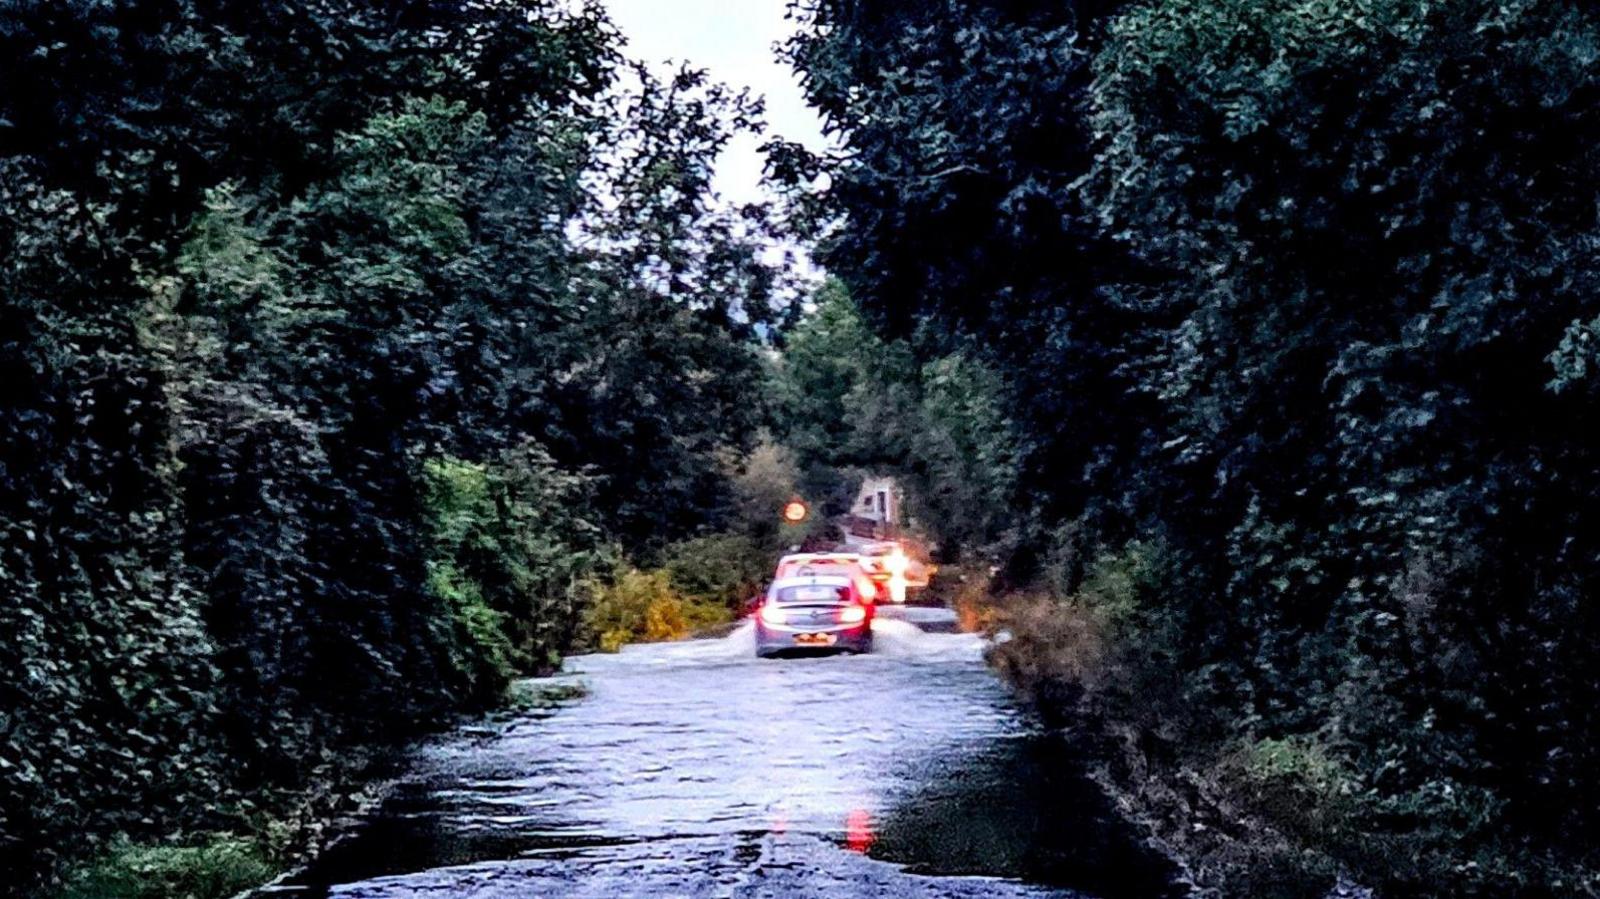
{"points": [[834, 638]]}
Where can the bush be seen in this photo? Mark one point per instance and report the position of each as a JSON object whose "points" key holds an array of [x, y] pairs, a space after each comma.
{"points": [[1055, 652], [724, 570], [1299, 761], [511, 547], [1113, 646], [482, 654], [219, 867], [642, 606], [969, 592]]}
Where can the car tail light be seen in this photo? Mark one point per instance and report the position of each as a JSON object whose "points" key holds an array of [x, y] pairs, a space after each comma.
{"points": [[852, 614], [771, 614]]}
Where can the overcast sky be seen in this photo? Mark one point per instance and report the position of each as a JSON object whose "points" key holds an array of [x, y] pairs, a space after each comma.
{"points": [[732, 39]]}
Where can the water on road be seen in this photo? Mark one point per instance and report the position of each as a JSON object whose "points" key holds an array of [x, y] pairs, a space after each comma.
{"points": [[694, 769]]}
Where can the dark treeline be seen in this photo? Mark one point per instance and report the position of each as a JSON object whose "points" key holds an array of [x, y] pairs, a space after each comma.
{"points": [[342, 344], [1293, 307]]}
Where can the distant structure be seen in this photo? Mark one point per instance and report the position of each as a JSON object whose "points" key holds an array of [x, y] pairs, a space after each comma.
{"points": [[875, 514]]}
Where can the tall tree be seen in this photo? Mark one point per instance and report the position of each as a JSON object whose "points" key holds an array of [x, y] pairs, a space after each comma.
{"points": [[274, 273], [962, 142], [1300, 296], [1381, 224]]}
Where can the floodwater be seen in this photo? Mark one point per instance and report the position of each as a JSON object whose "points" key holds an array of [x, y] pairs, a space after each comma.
{"points": [[695, 769]]}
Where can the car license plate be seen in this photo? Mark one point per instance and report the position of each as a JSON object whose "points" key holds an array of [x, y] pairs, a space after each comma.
{"points": [[815, 639]]}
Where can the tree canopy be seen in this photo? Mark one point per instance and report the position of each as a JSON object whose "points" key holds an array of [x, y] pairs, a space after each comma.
{"points": [[344, 344], [1293, 305]]}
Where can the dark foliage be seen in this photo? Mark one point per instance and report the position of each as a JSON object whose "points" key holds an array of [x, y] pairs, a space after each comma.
{"points": [[336, 343], [1302, 295], [964, 141]]}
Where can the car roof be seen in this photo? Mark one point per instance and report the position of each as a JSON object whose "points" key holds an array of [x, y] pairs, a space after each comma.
{"points": [[812, 580], [820, 557]]}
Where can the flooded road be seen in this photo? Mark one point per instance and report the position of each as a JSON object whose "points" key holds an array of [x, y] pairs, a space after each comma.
{"points": [[694, 769]]}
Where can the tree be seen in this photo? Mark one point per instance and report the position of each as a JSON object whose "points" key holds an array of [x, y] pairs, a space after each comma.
{"points": [[1388, 211], [1299, 294], [278, 276], [660, 371], [850, 401], [963, 461], [962, 144]]}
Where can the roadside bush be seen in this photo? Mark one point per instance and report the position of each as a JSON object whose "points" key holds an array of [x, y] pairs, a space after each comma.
{"points": [[967, 590], [480, 652], [1112, 646], [511, 547], [761, 482], [216, 868], [1296, 784], [1055, 652], [643, 607], [725, 570]]}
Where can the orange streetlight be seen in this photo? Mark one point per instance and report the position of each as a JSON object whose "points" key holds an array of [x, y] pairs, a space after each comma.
{"points": [[794, 511]]}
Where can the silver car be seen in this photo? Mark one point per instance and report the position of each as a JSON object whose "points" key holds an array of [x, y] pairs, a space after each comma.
{"points": [[820, 612]]}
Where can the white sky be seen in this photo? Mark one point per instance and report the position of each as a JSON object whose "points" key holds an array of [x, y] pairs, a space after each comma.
{"points": [[733, 40]]}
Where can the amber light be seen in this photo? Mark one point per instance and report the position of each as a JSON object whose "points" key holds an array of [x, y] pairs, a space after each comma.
{"points": [[794, 511]]}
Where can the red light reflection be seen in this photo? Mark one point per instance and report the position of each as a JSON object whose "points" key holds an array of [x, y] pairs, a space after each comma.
{"points": [[858, 835]]}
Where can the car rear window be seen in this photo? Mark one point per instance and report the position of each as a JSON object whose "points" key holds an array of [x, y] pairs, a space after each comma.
{"points": [[813, 593]]}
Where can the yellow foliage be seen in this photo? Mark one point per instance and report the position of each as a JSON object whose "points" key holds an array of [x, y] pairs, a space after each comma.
{"points": [[643, 606]]}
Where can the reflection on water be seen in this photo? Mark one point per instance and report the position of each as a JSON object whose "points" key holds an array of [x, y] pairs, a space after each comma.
{"points": [[1014, 810], [858, 835], [695, 769]]}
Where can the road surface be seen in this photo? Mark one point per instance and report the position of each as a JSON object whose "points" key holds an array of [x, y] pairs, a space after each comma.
{"points": [[694, 769]]}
